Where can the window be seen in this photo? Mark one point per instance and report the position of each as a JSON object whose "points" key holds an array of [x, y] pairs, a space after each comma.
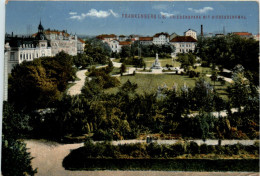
{"points": [[42, 45], [27, 56], [12, 56], [21, 56]]}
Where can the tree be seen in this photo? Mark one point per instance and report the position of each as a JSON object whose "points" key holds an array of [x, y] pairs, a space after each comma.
{"points": [[203, 95], [123, 68], [187, 60], [241, 90], [125, 51], [99, 51], [16, 161]]}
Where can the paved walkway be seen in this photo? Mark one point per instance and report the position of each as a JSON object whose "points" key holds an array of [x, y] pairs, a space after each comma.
{"points": [[48, 157]]}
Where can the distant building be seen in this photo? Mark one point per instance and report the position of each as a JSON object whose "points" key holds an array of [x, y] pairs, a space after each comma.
{"points": [[122, 38], [146, 40], [107, 37], [26, 48], [192, 33], [173, 35], [80, 45], [61, 41], [256, 37], [161, 38], [243, 34], [183, 44], [114, 45], [219, 35]]}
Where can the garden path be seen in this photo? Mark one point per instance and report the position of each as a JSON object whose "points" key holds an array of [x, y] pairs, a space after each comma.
{"points": [[48, 157]]}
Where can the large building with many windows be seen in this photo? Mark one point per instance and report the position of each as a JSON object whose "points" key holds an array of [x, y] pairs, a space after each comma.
{"points": [[43, 43], [19, 49], [183, 44]]}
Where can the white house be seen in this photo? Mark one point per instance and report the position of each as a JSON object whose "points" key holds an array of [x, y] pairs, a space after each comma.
{"points": [[114, 45], [146, 40], [161, 38], [183, 44], [192, 33]]}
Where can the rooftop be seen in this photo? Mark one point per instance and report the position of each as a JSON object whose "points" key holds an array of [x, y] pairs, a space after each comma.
{"points": [[183, 39]]}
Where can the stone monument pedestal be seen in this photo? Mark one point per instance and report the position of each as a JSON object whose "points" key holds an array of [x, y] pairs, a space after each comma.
{"points": [[156, 67]]}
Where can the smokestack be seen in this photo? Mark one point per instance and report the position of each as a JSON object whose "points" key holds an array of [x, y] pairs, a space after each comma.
{"points": [[201, 30]]}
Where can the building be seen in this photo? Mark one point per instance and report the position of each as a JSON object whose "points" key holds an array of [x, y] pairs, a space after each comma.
{"points": [[107, 37], [219, 35], [243, 34], [122, 38], [114, 45], [192, 33], [146, 40], [173, 35], [161, 38], [26, 48], [61, 41], [80, 45], [183, 44]]}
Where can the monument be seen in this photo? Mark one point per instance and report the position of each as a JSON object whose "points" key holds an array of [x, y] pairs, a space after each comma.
{"points": [[156, 65]]}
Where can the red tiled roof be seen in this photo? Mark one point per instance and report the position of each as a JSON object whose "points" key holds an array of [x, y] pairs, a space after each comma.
{"points": [[125, 43], [102, 36], [162, 33], [146, 38], [121, 35], [56, 32], [242, 33], [48, 32], [183, 39], [82, 41]]}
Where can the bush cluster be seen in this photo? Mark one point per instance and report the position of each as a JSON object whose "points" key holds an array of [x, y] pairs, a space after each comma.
{"points": [[155, 150]]}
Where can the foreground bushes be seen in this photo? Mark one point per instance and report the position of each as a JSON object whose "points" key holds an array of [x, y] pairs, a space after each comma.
{"points": [[154, 150], [142, 156]]}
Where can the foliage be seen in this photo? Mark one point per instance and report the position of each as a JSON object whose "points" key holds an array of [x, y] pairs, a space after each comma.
{"points": [[16, 161], [97, 50], [229, 51], [187, 60], [40, 83]]}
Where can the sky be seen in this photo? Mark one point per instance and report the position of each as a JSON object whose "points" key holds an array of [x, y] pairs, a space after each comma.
{"points": [[94, 18]]}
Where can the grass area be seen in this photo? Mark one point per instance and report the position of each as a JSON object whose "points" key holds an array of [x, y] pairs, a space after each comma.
{"points": [[150, 82], [115, 71], [149, 61]]}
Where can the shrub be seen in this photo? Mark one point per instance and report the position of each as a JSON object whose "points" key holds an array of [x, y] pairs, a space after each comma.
{"points": [[204, 149], [220, 149], [101, 135], [193, 148], [177, 149], [211, 149], [154, 150], [192, 74]]}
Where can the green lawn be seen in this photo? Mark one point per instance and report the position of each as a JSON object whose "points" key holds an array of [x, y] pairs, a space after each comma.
{"points": [[149, 61], [150, 82]]}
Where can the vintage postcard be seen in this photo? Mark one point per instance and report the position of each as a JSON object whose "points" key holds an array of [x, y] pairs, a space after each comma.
{"points": [[130, 88]]}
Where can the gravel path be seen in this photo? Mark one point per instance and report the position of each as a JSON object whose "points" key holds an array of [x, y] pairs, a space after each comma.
{"points": [[48, 157], [76, 89]]}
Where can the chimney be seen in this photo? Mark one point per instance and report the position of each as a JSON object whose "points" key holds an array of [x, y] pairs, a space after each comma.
{"points": [[201, 30]]}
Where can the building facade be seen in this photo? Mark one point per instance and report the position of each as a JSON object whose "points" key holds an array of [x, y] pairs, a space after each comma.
{"points": [[161, 38], [192, 33], [27, 48], [183, 44], [146, 40]]}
